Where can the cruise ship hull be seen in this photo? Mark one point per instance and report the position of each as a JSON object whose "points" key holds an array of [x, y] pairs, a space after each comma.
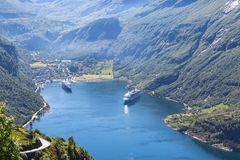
{"points": [[66, 88], [132, 99]]}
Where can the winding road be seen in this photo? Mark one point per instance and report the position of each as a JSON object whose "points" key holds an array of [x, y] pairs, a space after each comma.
{"points": [[45, 144], [35, 115]]}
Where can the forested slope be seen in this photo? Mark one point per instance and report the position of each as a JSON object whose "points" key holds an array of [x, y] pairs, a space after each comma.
{"points": [[186, 50], [15, 89]]}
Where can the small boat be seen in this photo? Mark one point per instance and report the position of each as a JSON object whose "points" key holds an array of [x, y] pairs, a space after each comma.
{"points": [[66, 86], [131, 96]]}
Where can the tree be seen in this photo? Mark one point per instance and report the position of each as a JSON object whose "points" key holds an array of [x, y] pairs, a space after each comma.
{"points": [[71, 148], [9, 149], [71, 142]]}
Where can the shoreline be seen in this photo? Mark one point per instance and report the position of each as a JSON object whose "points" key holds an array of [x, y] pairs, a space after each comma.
{"points": [[45, 105], [93, 80], [83, 80], [187, 108], [216, 146], [35, 115]]}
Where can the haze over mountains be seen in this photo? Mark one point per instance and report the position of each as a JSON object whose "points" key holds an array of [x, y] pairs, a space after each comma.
{"points": [[180, 49], [46, 22]]}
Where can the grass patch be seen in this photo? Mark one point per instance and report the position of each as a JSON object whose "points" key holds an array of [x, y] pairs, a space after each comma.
{"points": [[38, 65], [23, 137], [103, 71], [185, 121], [93, 77], [105, 68], [107, 71], [218, 108], [41, 65], [180, 121]]}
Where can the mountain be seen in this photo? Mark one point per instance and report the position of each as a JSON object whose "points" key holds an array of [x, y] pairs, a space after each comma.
{"points": [[180, 49], [184, 50], [188, 51], [94, 37], [27, 22], [177, 48], [15, 89], [101, 29]]}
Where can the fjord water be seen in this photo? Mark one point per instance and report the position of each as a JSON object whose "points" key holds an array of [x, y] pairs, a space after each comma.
{"points": [[95, 116]]}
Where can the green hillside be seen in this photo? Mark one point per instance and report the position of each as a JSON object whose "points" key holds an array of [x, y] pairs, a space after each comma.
{"points": [[217, 126], [16, 140], [15, 89], [59, 148], [188, 52]]}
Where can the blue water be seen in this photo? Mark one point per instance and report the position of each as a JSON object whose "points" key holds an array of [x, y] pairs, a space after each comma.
{"points": [[95, 116]]}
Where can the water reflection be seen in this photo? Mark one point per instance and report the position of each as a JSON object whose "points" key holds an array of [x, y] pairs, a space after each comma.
{"points": [[126, 111], [131, 103]]}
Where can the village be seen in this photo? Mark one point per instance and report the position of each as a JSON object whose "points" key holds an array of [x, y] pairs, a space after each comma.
{"points": [[57, 70]]}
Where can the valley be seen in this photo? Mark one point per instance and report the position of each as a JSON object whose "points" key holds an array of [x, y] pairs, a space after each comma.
{"points": [[187, 51]]}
